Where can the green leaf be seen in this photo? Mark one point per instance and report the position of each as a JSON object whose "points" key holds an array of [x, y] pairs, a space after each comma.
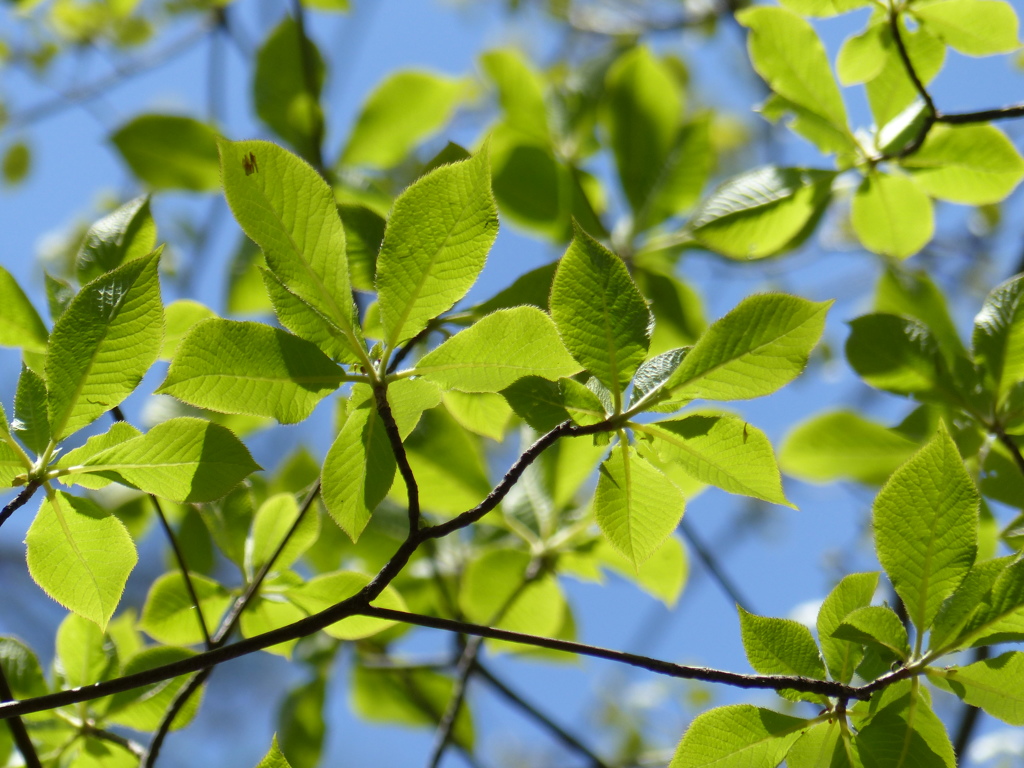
{"points": [[143, 709], [538, 402], [757, 348], [720, 450], [288, 77], [738, 736], [843, 445], [586, 403], [358, 471], [992, 615], [493, 594], [126, 233], [103, 344], [678, 308], [689, 164], [820, 745], [329, 589], [22, 669], [84, 654], [875, 625], [59, 293], [973, 27], [169, 152], [364, 232], [895, 354], [531, 288], [306, 322], [520, 92], [289, 211], [854, 591], [823, 7], [636, 505], [437, 239], [20, 324], [185, 460], [891, 215], [972, 164], [905, 734], [662, 576], [257, 370], [17, 163], [643, 108], [274, 758], [119, 432], [406, 108], [863, 56], [485, 413], [301, 723], [497, 351], [891, 91], [761, 212], [781, 647], [786, 52], [998, 338], [995, 685], [408, 399], [913, 294], [179, 317], [80, 555], [603, 320], [925, 521], [273, 522], [31, 422], [169, 615]]}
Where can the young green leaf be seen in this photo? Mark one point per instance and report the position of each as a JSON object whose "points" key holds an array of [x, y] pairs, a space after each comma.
{"points": [[485, 413], [738, 736], [143, 709], [823, 8], [843, 445], [968, 601], [998, 338], [331, 588], [300, 722], [257, 370], [761, 212], [273, 522], [997, 617], [538, 402], [31, 422], [876, 625], [119, 432], [971, 164], [80, 555], [498, 350], [306, 322], [643, 108], [437, 239], [995, 685], [925, 521], [520, 92], [180, 316], [169, 615], [896, 354], [905, 734], [364, 232], [103, 344], [913, 294], [601, 316], [533, 288], [787, 53], [636, 505], [285, 206], [185, 460], [84, 654], [863, 55], [20, 324], [781, 647], [22, 669], [854, 591], [678, 308], [757, 348], [358, 470], [170, 152], [493, 593], [892, 215], [406, 108], [288, 76], [973, 27], [662, 576], [720, 450], [124, 234]]}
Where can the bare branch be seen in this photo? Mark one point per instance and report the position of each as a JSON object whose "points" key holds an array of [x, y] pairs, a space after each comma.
{"points": [[22, 740], [19, 501]]}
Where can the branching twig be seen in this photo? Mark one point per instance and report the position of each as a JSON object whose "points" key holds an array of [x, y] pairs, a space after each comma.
{"points": [[560, 733], [22, 740]]}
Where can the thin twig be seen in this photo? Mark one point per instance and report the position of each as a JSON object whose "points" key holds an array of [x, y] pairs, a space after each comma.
{"points": [[380, 393], [560, 733], [104, 85], [908, 66], [982, 116], [227, 626], [710, 563], [22, 740], [18, 501], [1011, 446]]}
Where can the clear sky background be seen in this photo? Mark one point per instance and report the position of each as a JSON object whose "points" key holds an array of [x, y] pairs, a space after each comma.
{"points": [[782, 559]]}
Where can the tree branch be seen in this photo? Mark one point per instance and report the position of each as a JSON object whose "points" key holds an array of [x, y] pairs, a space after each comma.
{"points": [[711, 564], [22, 740], [560, 733], [18, 501], [380, 394]]}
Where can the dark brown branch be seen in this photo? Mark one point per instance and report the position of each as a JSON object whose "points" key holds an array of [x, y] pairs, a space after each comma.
{"points": [[981, 116], [380, 393], [667, 668], [559, 733], [1011, 446], [710, 562], [908, 66], [22, 740], [18, 501]]}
